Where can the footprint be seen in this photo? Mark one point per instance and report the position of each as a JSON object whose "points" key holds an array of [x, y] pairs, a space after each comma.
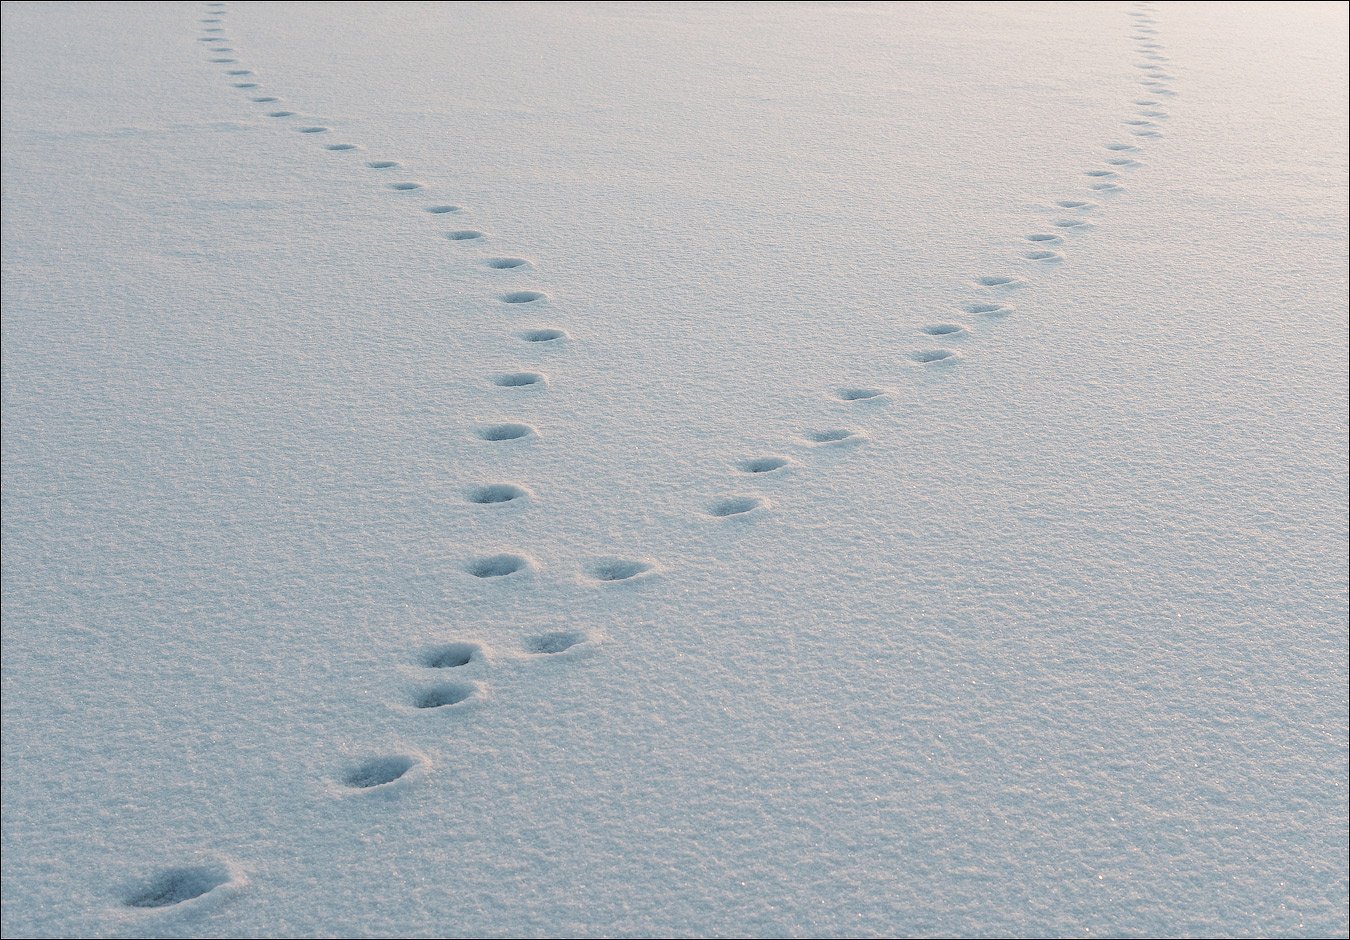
{"points": [[1072, 223], [1124, 161], [859, 394], [545, 334], [611, 570], [1121, 147], [499, 566], [943, 329], [988, 309], [1047, 239], [281, 114], [243, 84], [1042, 256], [451, 655], [405, 187], [523, 296], [381, 164], [445, 695], [463, 236], [934, 356], [264, 98], [238, 72], [441, 210], [509, 431], [1074, 204], [736, 506], [1140, 122], [834, 436], [380, 772], [520, 380], [503, 264], [992, 280], [495, 494], [763, 464], [339, 146], [176, 885], [1101, 173], [551, 644], [1106, 187], [312, 130], [224, 61]]}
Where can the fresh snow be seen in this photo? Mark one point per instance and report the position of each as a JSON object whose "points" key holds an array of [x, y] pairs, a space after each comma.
{"points": [[674, 470]]}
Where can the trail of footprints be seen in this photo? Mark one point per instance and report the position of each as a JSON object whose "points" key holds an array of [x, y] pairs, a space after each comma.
{"points": [[441, 690]]}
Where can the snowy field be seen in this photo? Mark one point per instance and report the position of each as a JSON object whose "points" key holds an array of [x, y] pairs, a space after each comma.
{"points": [[674, 470]]}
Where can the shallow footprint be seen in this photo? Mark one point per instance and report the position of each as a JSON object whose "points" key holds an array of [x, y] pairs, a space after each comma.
{"points": [[1044, 238], [859, 394], [501, 565], [520, 380], [505, 264], [381, 164], [313, 129], [988, 309], [993, 280], [613, 570], [451, 655], [405, 187], [507, 431], [379, 772], [763, 464], [559, 641], [832, 437], [546, 334], [943, 329], [1072, 223], [1074, 204], [930, 357], [522, 296], [445, 695], [736, 506], [463, 235], [1042, 256], [280, 114], [339, 147]]}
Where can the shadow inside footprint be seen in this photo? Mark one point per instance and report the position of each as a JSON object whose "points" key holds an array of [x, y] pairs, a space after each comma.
{"points": [[177, 885], [613, 569], [543, 335], [444, 695], [763, 464], [520, 380], [735, 506], [451, 655], [497, 566], [933, 356], [510, 431], [859, 394], [494, 494], [378, 772]]}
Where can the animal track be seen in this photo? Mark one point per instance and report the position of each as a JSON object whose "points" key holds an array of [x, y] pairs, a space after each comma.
{"points": [[404, 187], [736, 506], [381, 164], [834, 436], [440, 210], [763, 464], [262, 99], [1042, 256], [610, 570], [1073, 204], [238, 72], [444, 695], [933, 356], [504, 264], [280, 114], [942, 329], [546, 334], [1046, 239], [1121, 148], [988, 309], [859, 394], [451, 655], [339, 146], [992, 280], [498, 566], [463, 236], [520, 380], [509, 431], [493, 494], [176, 885], [312, 130], [379, 772], [1101, 173], [522, 296], [1071, 223], [1106, 187], [550, 644]]}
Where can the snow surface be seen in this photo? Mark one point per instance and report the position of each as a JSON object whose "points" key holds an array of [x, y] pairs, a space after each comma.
{"points": [[1045, 637]]}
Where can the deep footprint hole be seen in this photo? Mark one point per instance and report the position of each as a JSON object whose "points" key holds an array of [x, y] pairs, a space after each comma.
{"points": [[618, 570], [932, 355], [451, 655], [734, 506], [519, 380], [463, 236], [504, 432], [522, 296], [496, 493], [503, 264], [763, 464], [443, 695]]}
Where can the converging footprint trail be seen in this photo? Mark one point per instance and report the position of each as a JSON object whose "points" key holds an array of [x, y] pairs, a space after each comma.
{"points": [[941, 347]]}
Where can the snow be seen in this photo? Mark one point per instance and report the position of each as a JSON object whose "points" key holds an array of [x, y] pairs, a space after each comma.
{"points": [[594, 540]]}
